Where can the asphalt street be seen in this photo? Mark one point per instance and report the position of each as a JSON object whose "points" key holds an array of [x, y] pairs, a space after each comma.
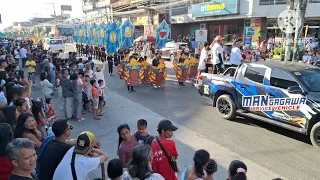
{"points": [[282, 152]]}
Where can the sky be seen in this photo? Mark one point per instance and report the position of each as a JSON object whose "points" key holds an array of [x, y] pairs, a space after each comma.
{"points": [[23, 10]]}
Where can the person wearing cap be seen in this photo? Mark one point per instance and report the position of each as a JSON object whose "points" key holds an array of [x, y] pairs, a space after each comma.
{"points": [[54, 151], [237, 170], [99, 74], [235, 55], [81, 159], [160, 162], [217, 58]]}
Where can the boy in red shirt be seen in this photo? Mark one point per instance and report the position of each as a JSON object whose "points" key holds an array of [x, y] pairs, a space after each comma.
{"points": [[95, 99], [160, 162]]}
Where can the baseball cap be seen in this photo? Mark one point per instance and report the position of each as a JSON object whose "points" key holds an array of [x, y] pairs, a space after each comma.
{"points": [[59, 127], [166, 124], [84, 142]]}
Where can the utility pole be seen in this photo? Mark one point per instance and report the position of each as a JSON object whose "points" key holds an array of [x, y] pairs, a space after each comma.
{"points": [[54, 8], [301, 11], [287, 54]]}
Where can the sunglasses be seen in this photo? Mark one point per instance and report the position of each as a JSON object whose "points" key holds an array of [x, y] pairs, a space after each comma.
{"points": [[70, 128]]}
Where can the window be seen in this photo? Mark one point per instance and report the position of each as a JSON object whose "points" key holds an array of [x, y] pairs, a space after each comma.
{"points": [[255, 74], [230, 72], [280, 1], [266, 2], [281, 79], [179, 11]]}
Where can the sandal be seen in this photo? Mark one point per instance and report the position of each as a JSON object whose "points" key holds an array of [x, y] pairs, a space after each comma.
{"points": [[80, 119]]}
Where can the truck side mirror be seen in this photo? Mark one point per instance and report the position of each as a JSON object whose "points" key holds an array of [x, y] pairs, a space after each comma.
{"points": [[295, 90]]}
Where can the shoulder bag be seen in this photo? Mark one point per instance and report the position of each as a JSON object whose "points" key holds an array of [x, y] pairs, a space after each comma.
{"points": [[173, 164]]}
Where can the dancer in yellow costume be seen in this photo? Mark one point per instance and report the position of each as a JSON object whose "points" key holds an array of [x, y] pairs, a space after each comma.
{"points": [[181, 66], [123, 64], [147, 68], [133, 74], [158, 73]]}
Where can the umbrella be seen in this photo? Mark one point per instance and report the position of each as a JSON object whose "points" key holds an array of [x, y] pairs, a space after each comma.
{"points": [[2, 35], [145, 38]]}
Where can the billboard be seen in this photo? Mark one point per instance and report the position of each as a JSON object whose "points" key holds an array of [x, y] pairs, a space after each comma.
{"points": [[215, 8], [66, 8]]}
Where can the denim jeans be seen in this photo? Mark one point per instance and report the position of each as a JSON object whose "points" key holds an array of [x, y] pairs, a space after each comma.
{"points": [[31, 76], [24, 60]]}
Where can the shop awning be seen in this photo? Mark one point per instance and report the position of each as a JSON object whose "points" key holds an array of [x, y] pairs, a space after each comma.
{"points": [[2, 35]]}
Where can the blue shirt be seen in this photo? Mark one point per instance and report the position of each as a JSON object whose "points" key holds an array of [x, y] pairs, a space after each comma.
{"points": [[140, 138]]}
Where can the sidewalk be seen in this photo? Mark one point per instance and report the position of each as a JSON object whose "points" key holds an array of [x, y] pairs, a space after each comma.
{"points": [[121, 110]]}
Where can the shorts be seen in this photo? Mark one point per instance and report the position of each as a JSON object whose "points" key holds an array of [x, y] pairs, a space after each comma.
{"points": [[95, 104], [101, 99]]}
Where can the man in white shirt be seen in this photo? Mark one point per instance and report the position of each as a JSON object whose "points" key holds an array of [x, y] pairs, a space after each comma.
{"points": [[81, 159], [217, 58], [235, 55], [23, 56], [203, 58]]}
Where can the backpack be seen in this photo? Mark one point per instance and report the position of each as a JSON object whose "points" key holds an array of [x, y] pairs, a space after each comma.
{"points": [[40, 150]]}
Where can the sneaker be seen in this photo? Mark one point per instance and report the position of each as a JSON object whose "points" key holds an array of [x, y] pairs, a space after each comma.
{"points": [[155, 87]]}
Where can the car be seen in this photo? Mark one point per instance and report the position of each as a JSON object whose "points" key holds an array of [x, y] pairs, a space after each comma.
{"points": [[285, 94], [53, 45], [171, 49]]}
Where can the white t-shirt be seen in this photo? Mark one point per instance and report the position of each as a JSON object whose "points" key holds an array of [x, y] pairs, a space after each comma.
{"points": [[235, 56], [306, 58], [16, 54], [90, 73], [100, 75], [82, 164], [203, 59], [216, 50], [23, 53]]}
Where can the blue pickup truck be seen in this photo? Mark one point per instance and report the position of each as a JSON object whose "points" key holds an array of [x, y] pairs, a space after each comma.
{"points": [[285, 94]]}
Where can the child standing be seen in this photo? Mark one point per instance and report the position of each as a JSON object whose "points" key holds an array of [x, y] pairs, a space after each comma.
{"points": [[101, 95], [95, 99], [88, 92], [50, 110], [142, 132], [31, 66]]}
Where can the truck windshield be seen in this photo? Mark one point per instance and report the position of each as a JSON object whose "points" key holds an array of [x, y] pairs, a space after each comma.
{"points": [[54, 41], [311, 79]]}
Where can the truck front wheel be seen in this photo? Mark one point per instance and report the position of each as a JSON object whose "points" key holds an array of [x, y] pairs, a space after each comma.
{"points": [[226, 107], [315, 135]]}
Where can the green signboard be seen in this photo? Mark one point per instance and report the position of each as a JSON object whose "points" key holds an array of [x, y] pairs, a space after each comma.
{"points": [[215, 8]]}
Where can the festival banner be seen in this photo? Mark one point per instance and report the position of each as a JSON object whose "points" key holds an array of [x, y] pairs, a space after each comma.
{"points": [[127, 31], [162, 34], [75, 34], [112, 38], [101, 34], [94, 39]]}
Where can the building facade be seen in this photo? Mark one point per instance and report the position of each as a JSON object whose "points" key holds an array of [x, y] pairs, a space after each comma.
{"points": [[236, 18]]}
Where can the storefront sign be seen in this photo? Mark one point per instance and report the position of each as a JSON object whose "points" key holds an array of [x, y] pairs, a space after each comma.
{"points": [[248, 40], [215, 8], [258, 22], [143, 20], [201, 35]]}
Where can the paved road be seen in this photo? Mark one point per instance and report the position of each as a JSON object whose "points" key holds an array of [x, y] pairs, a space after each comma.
{"points": [[277, 150]]}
